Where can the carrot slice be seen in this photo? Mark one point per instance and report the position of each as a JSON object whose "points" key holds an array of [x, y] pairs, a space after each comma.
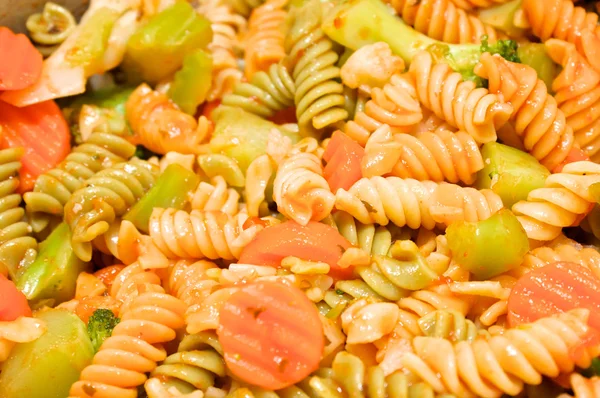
{"points": [[552, 289], [271, 335], [575, 155], [343, 157], [42, 130], [315, 242], [108, 274], [13, 303], [21, 64]]}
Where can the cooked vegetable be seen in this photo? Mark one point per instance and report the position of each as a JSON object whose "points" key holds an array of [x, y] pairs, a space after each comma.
{"points": [[343, 158], [552, 289], [42, 130], [536, 56], [46, 367], [54, 272], [490, 247], [22, 62], [157, 49], [191, 83], [315, 241], [100, 326], [502, 17], [510, 173], [171, 190], [271, 335], [13, 303]]}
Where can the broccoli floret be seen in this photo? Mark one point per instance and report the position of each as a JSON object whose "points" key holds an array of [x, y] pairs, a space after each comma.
{"points": [[356, 23], [100, 326]]}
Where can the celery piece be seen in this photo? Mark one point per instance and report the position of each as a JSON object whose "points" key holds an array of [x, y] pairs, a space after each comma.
{"points": [[241, 135], [54, 272], [113, 97], [535, 55], [490, 247], [171, 190], [510, 173], [192, 82], [502, 17], [48, 366], [405, 266], [157, 49], [89, 47]]}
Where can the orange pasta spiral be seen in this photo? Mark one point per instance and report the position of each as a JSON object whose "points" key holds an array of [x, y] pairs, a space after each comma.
{"points": [[471, 4], [443, 91], [536, 118], [160, 126], [559, 19], [573, 252], [436, 156], [577, 92], [442, 20], [264, 41], [560, 202], [395, 104]]}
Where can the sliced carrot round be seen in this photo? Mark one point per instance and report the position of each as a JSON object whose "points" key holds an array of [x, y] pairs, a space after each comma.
{"points": [[343, 157], [271, 335], [21, 64], [13, 303], [553, 289], [314, 241]]}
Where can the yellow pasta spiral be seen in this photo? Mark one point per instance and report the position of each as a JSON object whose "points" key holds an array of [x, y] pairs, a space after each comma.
{"points": [[160, 126], [216, 196], [265, 38], [300, 190], [577, 93], [585, 256], [443, 20], [199, 234], [395, 104], [488, 367], [436, 156], [564, 197], [536, 118], [582, 387], [443, 91], [559, 19], [415, 203], [133, 350]]}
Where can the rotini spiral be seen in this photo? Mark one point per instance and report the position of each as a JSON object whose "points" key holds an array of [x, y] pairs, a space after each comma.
{"points": [[437, 156], [503, 362], [22, 330], [226, 25], [578, 95], [536, 118], [582, 387], [16, 244], [443, 91], [396, 104], [216, 196], [266, 94], [415, 203], [53, 188], [585, 256], [121, 364], [559, 19], [199, 234], [449, 325], [194, 366], [560, 202], [472, 4], [265, 38], [160, 126], [300, 190], [375, 240], [91, 210], [319, 96], [443, 20], [244, 7]]}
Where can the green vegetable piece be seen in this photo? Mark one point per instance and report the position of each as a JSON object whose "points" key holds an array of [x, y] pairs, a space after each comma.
{"points": [[241, 135], [100, 326], [490, 247], [171, 190], [593, 370], [113, 97], [157, 50], [510, 173], [89, 47], [502, 17], [48, 366], [54, 272], [405, 266], [192, 82], [535, 55]]}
